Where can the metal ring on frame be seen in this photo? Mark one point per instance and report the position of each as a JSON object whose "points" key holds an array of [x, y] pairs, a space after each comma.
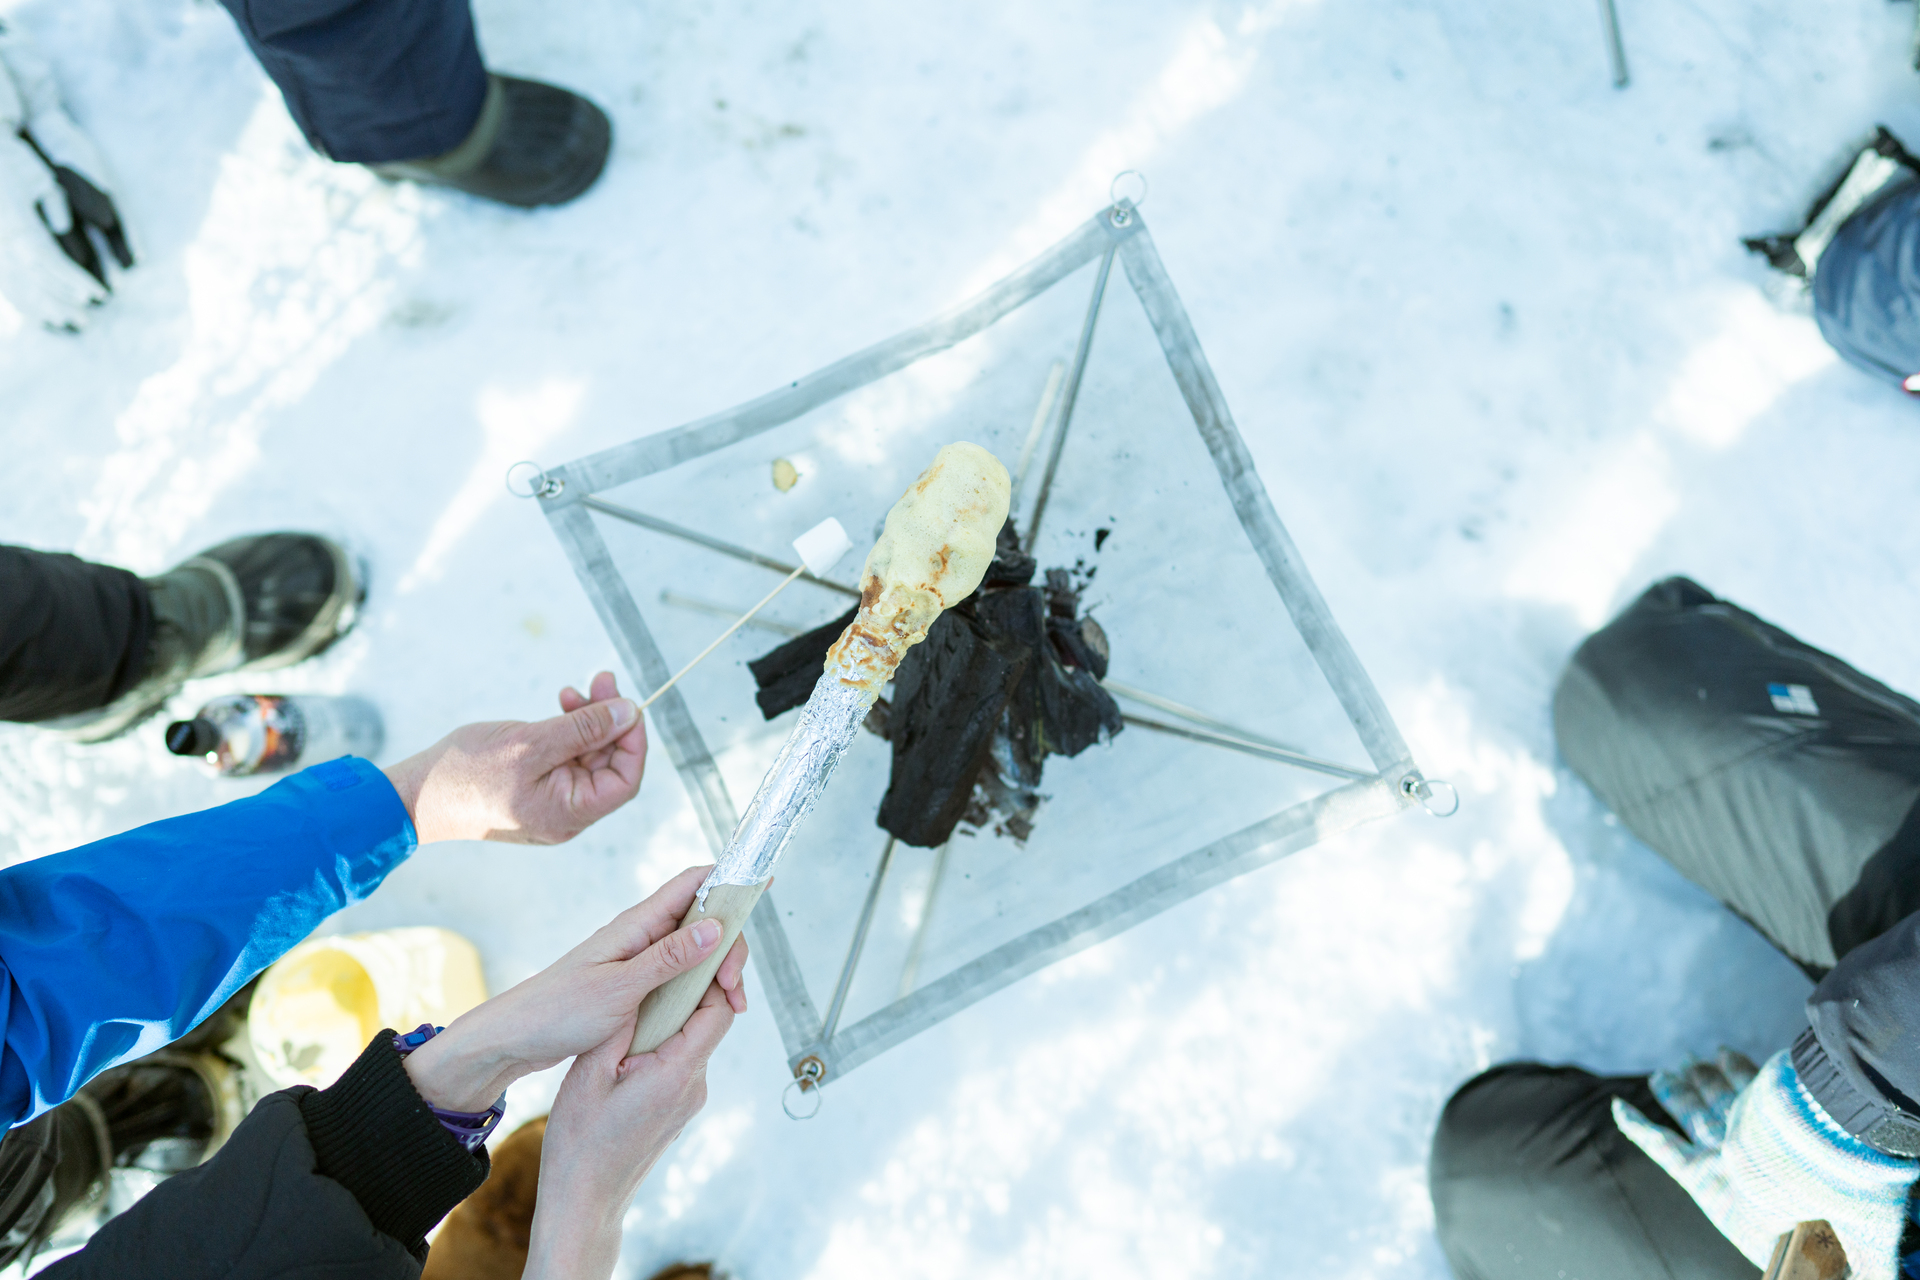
{"points": [[1426, 791], [539, 485], [807, 1078]]}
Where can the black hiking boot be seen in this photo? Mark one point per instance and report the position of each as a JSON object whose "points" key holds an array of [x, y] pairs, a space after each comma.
{"points": [[253, 604], [170, 1110], [53, 1169], [154, 1116], [534, 144]]}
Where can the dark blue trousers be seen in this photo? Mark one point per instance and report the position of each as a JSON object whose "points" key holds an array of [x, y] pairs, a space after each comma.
{"points": [[371, 80]]}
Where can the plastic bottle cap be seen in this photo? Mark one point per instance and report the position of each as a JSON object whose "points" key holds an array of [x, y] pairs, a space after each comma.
{"points": [[193, 737]]}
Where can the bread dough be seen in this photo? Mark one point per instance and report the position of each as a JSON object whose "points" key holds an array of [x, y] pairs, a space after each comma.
{"points": [[932, 554]]}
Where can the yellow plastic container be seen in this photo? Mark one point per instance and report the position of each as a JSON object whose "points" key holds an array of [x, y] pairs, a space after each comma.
{"points": [[320, 1004]]}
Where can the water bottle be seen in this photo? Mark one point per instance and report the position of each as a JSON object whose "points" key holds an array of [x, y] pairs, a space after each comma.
{"points": [[246, 733]]}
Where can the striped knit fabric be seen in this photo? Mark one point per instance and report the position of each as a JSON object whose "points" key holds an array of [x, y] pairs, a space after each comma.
{"points": [[1785, 1161]]}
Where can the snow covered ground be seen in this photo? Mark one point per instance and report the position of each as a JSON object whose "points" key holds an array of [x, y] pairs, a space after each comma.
{"points": [[1484, 320]]}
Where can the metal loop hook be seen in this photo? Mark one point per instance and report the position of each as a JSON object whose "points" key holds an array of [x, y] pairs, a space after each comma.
{"points": [[1438, 797], [539, 484], [808, 1078], [1121, 212]]}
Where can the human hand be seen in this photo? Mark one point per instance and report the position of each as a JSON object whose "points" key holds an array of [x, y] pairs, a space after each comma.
{"points": [[538, 783], [611, 1120], [1761, 1157], [579, 1001]]}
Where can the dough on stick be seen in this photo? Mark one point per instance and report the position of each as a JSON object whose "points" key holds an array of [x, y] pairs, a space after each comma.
{"points": [[935, 549], [937, 544]]}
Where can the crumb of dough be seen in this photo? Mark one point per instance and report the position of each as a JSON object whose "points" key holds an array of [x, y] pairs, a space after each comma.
{"points": [[785, 475], [933, 552]]}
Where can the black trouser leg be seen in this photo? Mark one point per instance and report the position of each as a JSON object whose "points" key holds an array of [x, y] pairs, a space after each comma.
{"points": [[371, 80], [1532, 1180], [1773, 775], [73, 635]]}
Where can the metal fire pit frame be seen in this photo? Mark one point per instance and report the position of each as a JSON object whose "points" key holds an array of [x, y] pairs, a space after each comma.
{"points": [[1117, 232]]}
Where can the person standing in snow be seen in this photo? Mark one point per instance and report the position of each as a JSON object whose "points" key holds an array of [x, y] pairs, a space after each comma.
{"points": [[89, 651], [349, 1179], [1786, 783], [401, 88], [397, 87]]}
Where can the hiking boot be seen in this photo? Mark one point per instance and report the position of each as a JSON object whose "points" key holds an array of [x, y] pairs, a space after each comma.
{"points": [[170, 1110], [256, 603], [486, 1235], [534, 144], [53, 1170]]}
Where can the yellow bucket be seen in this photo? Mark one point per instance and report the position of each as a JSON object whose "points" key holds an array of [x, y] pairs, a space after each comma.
{"points": [[320, 1004]]}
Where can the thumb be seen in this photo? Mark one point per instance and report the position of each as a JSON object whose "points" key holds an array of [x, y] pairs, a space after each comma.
{"points": [[679, 951], [579, 732], [1666, 1150]]}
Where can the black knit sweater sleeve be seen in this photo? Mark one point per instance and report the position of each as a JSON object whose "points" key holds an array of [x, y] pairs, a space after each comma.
{"points": [[374, 1135]]}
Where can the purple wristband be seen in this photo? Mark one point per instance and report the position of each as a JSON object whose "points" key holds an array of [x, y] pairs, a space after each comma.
{"points": [[469, 1128]]}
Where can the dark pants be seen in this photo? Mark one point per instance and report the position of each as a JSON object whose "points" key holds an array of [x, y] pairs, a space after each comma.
{"points": [[1776, 777], [1532, 1180], [73, 636], [371, 80]]}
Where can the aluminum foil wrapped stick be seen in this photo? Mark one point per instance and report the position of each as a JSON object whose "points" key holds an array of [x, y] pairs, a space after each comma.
{"points": [[932, 554]]}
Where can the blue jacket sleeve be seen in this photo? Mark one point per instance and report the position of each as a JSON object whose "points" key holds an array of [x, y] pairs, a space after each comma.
{"points": [[111, 950]]}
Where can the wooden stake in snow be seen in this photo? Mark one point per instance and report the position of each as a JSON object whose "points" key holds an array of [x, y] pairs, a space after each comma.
{"points": [[819, 548]]}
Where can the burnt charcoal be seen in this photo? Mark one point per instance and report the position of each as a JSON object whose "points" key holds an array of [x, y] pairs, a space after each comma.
{"points": [[1004, 679], [1011, 566], [786, 675], [1063, 599], [1019, 747], [1074, 711], [1095, 637], [949, 695], [1006, 807], [1072, 646]]}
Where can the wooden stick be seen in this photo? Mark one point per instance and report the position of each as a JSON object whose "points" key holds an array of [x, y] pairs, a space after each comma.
{"points": [[1811, 1251], [1616, 49], [654, 696], [667, 1007]]}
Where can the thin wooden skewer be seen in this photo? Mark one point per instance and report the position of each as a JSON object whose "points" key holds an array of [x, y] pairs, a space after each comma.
{"points": [[697, 605], [1616, 48], [654, 696]]}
